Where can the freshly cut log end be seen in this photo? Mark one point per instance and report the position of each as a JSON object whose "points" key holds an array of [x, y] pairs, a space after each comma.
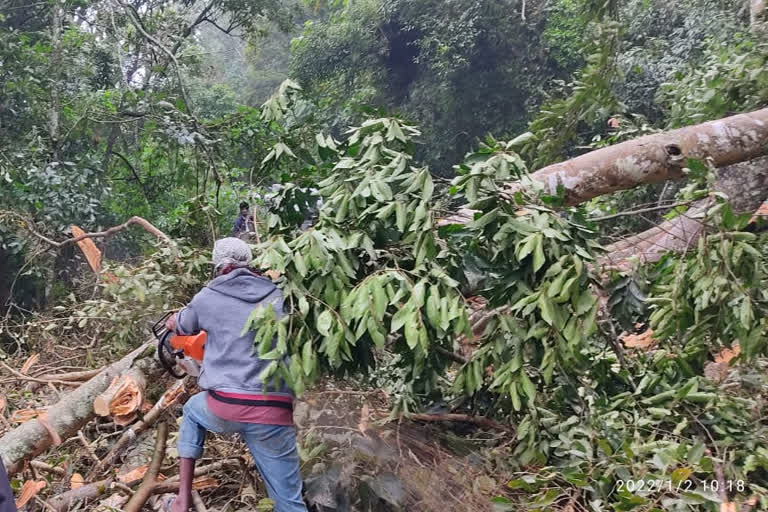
{"points": [[123, 397]]}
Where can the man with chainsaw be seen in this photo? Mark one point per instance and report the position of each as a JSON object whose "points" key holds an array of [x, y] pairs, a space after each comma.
{"points": [[234, 399]]}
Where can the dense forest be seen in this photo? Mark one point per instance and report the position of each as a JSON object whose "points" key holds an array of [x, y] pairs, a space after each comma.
{"points": [[522, 247]]}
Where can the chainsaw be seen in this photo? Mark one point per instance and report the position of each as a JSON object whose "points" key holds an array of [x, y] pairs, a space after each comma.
{"points": [[177, 350]]}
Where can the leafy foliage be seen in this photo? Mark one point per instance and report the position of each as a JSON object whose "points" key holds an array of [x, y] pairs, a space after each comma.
{"points": [[460, 68], [730, 78]]}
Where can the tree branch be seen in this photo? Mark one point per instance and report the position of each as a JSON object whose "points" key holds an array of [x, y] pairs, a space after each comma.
{"points": [[203, 16], [26, 224], [144, 491], [642, 210], [136, 20], [134, 172]]}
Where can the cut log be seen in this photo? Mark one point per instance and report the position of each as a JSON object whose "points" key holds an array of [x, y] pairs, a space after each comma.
{"points": [[123, 398], [178, 393], [66, 417], [746, 185]]}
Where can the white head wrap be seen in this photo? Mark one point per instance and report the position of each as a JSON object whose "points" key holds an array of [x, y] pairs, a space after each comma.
{"points": [[231, 251]]}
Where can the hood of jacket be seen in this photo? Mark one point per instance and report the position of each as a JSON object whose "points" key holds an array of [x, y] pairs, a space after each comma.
{"points": [[243, 284]]}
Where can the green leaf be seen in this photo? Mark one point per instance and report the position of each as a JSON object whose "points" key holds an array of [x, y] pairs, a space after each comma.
{"points": [[547, 309], [417, 298], [301, 265], [324, 322], [538, 254], [386, 211], [514, 396], [376, 335], [590, 323], [557, 285], [695, 453], [429, 187], [412, 331], [308, 357], [526, 246], [433, 306], [745, 313], [486, 219], [303, 306], [380, 301], [528, 388], [585, 302], [400, 212], [400, 318]]}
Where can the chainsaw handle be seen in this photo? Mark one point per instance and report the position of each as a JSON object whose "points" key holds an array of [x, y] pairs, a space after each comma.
{"points": [[163, 349]]}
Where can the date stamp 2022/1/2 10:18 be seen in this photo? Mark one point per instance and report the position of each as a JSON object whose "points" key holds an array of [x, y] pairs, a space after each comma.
{"points": [[651, 485]]}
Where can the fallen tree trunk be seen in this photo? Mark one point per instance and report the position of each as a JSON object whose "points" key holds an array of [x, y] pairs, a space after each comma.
{"points": [[746, 185], [650, 159], [65, 417], [659, 157]]}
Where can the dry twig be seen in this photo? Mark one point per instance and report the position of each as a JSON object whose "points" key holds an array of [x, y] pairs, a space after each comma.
{"points": [[145, 490]]}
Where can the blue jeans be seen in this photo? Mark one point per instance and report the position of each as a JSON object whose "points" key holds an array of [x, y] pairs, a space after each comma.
{"points": [[273, 448]]}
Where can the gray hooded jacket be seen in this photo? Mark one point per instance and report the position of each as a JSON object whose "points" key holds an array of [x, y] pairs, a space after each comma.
{"points": [[221, 309]]}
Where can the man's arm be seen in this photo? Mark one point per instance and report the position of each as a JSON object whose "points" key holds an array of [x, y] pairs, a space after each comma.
{"points": [[184, 322]]}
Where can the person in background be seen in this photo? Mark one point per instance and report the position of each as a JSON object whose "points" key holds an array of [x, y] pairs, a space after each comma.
{"points": [[244, 221], [234, 398], [7, 503]]}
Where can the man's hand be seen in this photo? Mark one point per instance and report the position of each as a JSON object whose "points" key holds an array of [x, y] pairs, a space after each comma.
{"points": [[170, 324]]}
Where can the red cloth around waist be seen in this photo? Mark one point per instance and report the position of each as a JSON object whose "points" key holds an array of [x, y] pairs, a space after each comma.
{"points": [[265, 415]]}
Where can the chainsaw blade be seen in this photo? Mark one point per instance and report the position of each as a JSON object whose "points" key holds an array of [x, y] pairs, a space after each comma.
{"points": [[190, 366]]}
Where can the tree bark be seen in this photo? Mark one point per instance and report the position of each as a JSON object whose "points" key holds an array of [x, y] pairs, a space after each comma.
{"points": [[659, 157], [66, 417], [53, 112], [650, 159], [745, 184]]}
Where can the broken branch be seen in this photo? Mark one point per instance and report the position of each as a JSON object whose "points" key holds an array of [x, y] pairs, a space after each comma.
{"points": [[86, 493], [26, 224], [144, 491]]}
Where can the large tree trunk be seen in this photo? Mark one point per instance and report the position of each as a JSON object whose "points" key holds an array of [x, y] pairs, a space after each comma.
{"points": [[659, 157], [746, 185], [650, 159], [65, 418]]}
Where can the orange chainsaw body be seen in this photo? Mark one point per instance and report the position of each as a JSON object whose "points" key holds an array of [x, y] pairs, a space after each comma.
{"points": [[192, 346]]}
